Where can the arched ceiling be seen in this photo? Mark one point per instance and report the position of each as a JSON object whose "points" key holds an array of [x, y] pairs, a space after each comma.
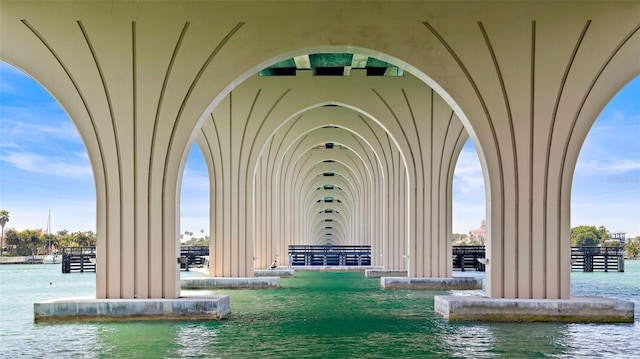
{"points": [[334, 162], [332, 64]]}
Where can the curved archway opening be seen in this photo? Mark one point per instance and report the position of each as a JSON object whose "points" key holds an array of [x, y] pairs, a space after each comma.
{"points": [[46, 180], [469, 201], [605, 193], [332, 136], [194, 200], [288, 64]]}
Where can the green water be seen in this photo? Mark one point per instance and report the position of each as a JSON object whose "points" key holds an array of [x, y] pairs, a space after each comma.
{"points": [[315, 315]]}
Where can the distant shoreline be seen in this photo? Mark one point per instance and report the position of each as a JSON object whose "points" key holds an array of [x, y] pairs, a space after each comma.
{"points": [[37, 259]]}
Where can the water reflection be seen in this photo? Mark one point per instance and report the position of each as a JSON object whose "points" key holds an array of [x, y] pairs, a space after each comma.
{"points": [[314, 315], [195, 339], [467, 341], [137, 339], [54, 340], [531, 340], [596, 340]]}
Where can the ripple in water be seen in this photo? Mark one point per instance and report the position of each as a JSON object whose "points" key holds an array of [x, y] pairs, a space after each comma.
{"points": [[335, 315]]}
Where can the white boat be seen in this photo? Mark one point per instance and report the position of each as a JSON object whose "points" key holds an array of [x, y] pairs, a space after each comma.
{"points": [[53, 258]]}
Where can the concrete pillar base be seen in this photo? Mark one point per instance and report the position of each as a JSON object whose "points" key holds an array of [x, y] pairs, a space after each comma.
{"points": [[106, 310], [430, 283], [574, 310], [334, 268], [377, 273], [230, 283], [282, 273]]}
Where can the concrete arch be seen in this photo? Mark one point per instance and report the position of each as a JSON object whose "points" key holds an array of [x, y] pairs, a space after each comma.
{"points": [[308, 195], [527, 79], [282, 94], [301, 176], [315, 123]]}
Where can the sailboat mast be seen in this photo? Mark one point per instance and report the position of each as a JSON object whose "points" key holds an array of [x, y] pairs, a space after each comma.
{"points": [[49, 233]]}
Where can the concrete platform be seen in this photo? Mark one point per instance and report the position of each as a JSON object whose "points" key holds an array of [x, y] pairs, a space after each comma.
{"points": [[334, 268], [574, 310], [108, 310], [279, 272], [377, 273], [230, 283], [430, 283]]}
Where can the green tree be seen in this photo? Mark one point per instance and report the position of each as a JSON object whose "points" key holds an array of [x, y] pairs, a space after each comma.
{"points": [[30, 241], [4, 218], [612, 243], [633, 247], [459, 238], [12, 238], [84, 239], [604, 233], [584, 236], [64, 238], [194, 241]]}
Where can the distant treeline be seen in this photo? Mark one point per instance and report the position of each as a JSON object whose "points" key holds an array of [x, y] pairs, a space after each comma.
{"points": [[37, 241], [187, 239], [588, 236], [581, 236]]}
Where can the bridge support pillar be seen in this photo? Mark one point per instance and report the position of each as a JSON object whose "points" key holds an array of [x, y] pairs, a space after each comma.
{"points": [[458, 283], [103, 310], [231, 283], [576, 309]]}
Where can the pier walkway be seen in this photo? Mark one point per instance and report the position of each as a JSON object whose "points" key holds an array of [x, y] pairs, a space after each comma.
{"points": [[83, 259], [591, 259], [336, 255], [78, 259], [586, 259]]}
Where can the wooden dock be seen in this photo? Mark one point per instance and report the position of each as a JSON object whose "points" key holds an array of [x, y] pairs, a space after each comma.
{"points": [[592, 259], [193, 256], [83, 259], [586, 259], [464, 257], [467, 258], [338, 255], [78, 259]]}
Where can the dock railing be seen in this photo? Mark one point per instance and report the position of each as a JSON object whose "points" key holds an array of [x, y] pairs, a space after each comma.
{"points": [[592, 258], [78, 259]]}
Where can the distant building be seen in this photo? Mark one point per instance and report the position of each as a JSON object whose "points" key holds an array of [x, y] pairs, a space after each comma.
{"points": [[479, 233], [618, 236]]}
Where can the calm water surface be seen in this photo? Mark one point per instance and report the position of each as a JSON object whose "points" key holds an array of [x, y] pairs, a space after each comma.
{"points": [[328, 315]]}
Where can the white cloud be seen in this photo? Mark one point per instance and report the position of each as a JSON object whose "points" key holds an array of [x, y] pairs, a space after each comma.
{"points": [[468, 191], [74, 166], [23, 123], [608, 166], [613, 144], [195, 180], [467, 177], [8, 143]]}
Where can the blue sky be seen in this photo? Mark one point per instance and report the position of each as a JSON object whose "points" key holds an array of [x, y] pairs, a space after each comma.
{"points": [[44, 166]]}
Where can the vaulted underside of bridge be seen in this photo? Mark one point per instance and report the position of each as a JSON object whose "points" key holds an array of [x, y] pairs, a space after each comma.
{"points": [[346, 159]]}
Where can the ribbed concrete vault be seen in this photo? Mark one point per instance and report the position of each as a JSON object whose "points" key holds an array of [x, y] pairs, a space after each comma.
{"points": [[382, 167], [350, 132], [141, 80]]}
